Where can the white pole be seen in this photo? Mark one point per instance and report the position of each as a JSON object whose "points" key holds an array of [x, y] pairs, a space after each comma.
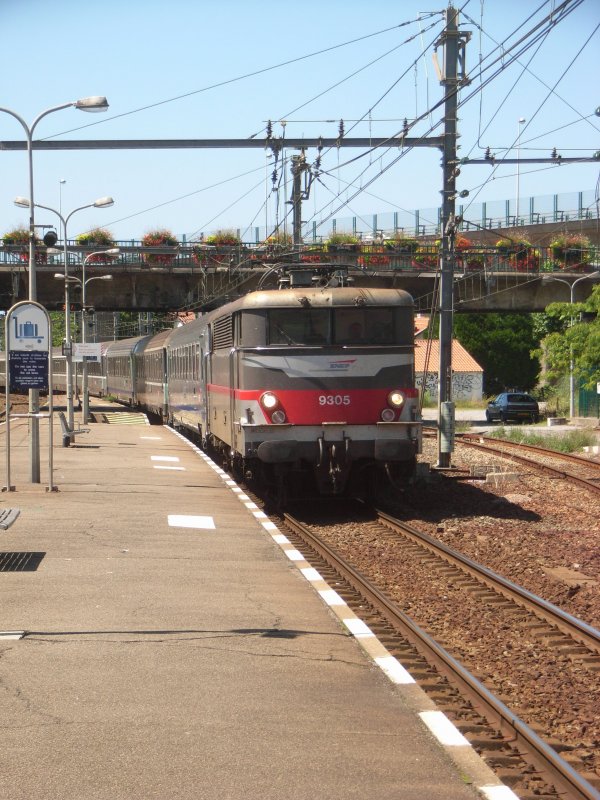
{"points": [[522, 120], [86, 104]]}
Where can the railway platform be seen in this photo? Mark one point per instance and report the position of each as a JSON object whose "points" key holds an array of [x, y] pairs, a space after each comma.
{"points": [[161, 639]]}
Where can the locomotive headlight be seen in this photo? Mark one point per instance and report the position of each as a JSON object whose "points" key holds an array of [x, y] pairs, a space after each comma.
{"points": [[388, 415], [278, 417], [395, 399], [268, 401]]}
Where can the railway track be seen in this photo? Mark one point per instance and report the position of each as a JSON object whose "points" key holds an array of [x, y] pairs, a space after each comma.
{"points": [[586, 474], [509, 745]]}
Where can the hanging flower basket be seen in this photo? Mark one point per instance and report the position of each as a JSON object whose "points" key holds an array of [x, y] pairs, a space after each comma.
{"points": [[402, 245], [226, 242], [375, 260], [18, 241], [427, 256], [279, 243], [159, 238], [342, 241], [571, 250]]}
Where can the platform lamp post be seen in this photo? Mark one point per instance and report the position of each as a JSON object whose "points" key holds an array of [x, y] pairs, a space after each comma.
{"points": [[103, 202], [82, 283], [60, 185], [571, 365], [522, 121], [85, 104]]}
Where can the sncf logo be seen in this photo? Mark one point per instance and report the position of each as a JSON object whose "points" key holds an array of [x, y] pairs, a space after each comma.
{"points": [[342, 365]]}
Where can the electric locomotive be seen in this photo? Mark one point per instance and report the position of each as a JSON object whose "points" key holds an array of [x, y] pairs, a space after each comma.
{"points": [[309, 381]]}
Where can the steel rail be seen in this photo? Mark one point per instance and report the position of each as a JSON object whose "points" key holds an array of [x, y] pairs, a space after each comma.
{"points": [[575, 628], [544, 451], [587, 484], [538, 752]]}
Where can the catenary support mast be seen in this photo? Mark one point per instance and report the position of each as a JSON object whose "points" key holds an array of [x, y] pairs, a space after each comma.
{"points": [[453, 42]]}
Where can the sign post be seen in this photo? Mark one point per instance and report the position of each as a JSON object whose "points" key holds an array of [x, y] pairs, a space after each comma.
{"points": [[28, 366]]}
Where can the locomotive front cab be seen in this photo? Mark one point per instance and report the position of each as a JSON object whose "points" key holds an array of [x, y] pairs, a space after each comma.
{"points": [[323, 379]]}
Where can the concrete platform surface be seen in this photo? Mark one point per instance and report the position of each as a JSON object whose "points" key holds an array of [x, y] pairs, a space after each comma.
{"points": [[173, 649]]}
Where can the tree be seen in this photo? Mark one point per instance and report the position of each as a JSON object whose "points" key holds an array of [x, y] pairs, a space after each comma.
{"points": [[578, 339], [502, 344]]}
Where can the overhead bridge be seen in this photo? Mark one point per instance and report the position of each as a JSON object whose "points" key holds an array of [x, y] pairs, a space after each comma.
{"points": [[197, 277]]}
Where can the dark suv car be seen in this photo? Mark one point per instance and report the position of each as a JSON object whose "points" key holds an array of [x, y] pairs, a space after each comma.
{"points": [[515, 406]]}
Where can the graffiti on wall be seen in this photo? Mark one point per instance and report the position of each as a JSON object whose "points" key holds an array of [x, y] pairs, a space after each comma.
{"points": [[465, 385]]}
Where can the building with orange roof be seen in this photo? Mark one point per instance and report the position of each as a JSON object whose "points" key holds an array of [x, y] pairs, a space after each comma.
{"points": [[467, 375]]}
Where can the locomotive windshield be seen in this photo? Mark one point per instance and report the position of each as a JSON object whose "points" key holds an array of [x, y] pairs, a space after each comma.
{"points": [[338, 326]]}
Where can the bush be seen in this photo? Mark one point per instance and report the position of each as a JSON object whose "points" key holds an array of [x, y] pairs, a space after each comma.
{"points": [[569, 442]]}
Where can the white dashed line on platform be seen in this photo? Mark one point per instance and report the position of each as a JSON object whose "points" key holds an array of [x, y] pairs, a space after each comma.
{"points": [[191, 521]]}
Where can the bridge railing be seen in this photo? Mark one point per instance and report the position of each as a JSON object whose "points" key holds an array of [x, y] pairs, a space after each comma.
{"points": [[377, 257]]}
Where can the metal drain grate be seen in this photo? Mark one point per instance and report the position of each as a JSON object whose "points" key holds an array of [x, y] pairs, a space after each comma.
{"points": [[20, 562]]}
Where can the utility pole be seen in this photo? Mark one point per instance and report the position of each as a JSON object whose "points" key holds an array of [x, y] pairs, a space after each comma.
{"points": [[453, 42], [299, 166]]}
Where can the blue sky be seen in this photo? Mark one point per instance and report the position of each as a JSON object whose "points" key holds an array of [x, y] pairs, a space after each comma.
{"points": [[142, 53]]}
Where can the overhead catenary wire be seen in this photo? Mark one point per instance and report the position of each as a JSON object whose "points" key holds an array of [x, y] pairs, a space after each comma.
{"points": [[550, 91], [185, 196], [565, 8], [343, 80], [236, 79]]}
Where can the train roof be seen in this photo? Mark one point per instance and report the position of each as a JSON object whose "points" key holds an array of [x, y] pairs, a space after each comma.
{"points": [[318, 297], [125, 346], [156, 342]]}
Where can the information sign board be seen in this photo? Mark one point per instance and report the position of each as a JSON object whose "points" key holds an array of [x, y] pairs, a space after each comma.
{"points": [[27, 328], [28, 370], [28, 345], [87, 351]]}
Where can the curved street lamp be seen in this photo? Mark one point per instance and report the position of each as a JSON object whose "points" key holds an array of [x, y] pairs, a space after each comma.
{"points": [[571, 365], [82, 283], [96, 103], [103, 202]]}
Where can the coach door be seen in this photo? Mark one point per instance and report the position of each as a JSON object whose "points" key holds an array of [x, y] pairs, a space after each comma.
{"points": [[234, 382], [204, 372]]}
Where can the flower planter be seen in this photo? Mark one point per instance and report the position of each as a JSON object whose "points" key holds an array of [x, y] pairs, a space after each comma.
{"points": [[100, 259], [162, 239], [373, 261], [40, 256], [161, 259]]}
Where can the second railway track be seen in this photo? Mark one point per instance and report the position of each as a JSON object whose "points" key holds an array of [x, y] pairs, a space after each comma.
{"points": [[474, 706], [581, 471]]}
